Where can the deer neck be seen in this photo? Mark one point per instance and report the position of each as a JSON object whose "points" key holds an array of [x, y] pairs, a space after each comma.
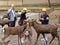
{"points": [[34, 25]]}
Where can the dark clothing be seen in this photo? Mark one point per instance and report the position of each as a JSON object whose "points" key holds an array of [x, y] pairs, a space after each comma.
{"points": [[12, 23], [23, 17], [45, 21], [8, 16], [21, 22]]}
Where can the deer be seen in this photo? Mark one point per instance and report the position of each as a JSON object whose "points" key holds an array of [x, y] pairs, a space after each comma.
{"points": [[13, 31], [45, 29], [3, 22]]}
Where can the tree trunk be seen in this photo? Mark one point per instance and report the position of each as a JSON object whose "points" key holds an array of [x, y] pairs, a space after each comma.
{"points": [[49, 4]]}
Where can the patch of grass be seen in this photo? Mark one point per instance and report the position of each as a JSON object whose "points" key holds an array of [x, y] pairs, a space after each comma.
{"points": [[55, 5], [34, 8]]}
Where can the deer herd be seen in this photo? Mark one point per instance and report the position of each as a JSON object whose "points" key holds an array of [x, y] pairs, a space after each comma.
{"points": [[39, 28]]}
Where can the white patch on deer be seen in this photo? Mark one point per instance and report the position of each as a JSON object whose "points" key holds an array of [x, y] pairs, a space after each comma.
{"points": [[1, 17], [5, 26], [26, 33], [22, 39], [3, 30]]}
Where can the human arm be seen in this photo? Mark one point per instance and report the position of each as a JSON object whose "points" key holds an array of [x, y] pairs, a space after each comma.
{"points": [[8, 13]]}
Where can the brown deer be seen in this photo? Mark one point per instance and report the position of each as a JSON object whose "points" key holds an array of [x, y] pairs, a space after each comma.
{"points": [[42, 29], [13, 31], [6, 16], [3, 22]]}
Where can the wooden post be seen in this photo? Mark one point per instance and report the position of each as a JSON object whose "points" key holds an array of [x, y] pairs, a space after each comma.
{"points": [[7, 2], [59, 19], [22, 2], [49, 3]]}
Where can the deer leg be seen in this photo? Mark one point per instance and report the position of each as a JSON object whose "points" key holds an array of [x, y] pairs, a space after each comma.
{"points": [[30, 31], [58, 38], [22, 37], [53, 36], [5, 36], [29, 39], [37, 37], [18, 40]]}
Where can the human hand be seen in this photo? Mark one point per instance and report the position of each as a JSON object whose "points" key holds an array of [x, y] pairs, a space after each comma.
{"points": [[41, 18]]}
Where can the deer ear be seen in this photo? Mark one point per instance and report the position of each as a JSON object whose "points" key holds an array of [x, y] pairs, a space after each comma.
{"points": [[8, 41]]}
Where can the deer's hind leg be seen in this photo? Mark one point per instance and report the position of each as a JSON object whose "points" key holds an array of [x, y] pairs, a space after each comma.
{"points": [[38, 34], [53, 37], [29, 37], [56, 34]]}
